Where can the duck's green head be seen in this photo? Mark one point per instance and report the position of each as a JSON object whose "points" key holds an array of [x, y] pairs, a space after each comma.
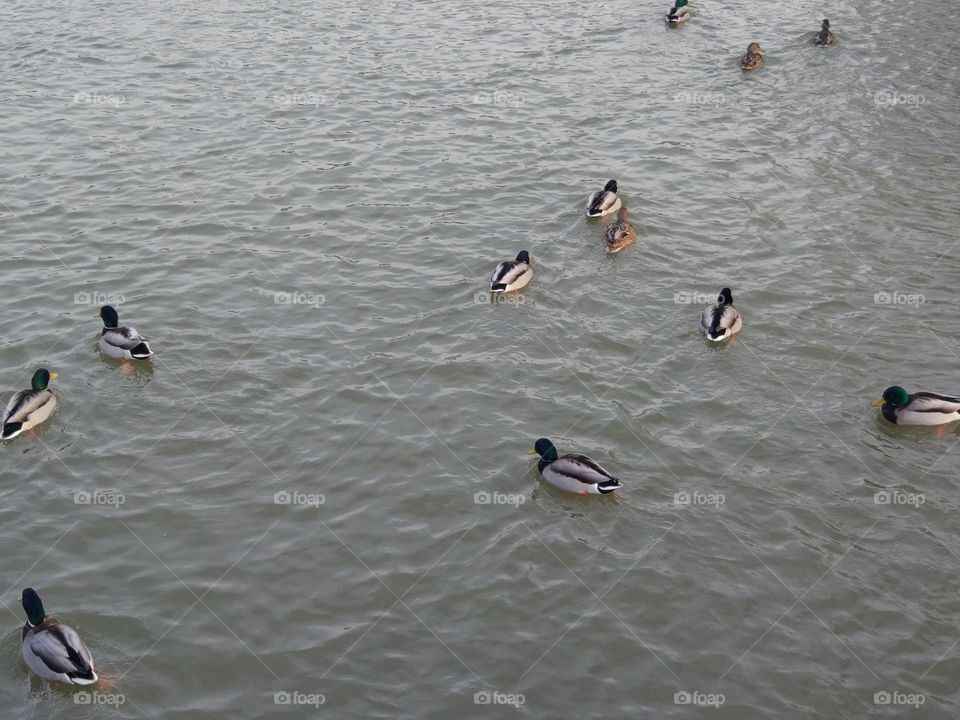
{"points": [[110, 317], [725, 297], [523, 256], [895, 395], [611, 186], [545, 449], [32, 606], [680, 3], [41, 378]]}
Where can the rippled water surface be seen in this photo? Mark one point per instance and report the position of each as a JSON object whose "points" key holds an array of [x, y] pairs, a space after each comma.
{"points": [[300, 204]]}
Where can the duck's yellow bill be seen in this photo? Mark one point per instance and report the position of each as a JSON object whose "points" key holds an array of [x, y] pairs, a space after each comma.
{"points": [[53, 376], [878, 403], [532, 452]]}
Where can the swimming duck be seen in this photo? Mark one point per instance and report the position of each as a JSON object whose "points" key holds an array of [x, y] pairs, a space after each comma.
{"points": [[721, 321], [121, 342], [603, 202], [29, 408], [512, 274], [51, 649], [620, 233], [573, 473], [678, 13], [753, 59], [920, 408], [824, 37]]}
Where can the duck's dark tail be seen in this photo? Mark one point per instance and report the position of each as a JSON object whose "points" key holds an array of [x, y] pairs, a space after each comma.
{"points": [[141, 351], [10, 429], [608, 486], [498, 287]]}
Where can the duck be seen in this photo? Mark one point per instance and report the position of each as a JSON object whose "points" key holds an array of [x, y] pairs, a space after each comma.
{"points": [[604, 202], [124, 343], [620, 233], [573, 473], [753, 59], [29, 408], [512, 275], [721, 321], [824, 37], [678, 13], [921, 408], [51, 649]]}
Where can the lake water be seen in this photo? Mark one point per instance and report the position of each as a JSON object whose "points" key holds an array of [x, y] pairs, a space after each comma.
{"points": [[300, 205]]}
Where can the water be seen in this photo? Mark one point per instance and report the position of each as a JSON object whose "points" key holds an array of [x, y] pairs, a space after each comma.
{"points": [[299, 204]]}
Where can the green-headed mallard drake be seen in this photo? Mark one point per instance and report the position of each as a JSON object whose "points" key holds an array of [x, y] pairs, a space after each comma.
{"points": [[573, 473], [512, 275], [920, 408], [753, 58], [620, 233], [123, 343], [51, 649], [29, 408], [824, 37], [678, 13], [721, 321], [604, 202]]}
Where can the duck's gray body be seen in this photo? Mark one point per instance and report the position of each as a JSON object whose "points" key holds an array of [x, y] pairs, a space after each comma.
{"points": [[510, 275], [25, 410], [54, 651], [124, 342], [603, 203], [720, 322], [578, 474]]}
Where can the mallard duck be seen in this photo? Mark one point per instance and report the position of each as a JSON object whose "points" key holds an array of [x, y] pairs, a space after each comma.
{"points": [[603, 202], [620, 233], [920, 408], [824, 37], [51, 649], [124, 343], [29, 408], [678, 13], [512, 274], [721, 321], [753, 59], [573, 473]]}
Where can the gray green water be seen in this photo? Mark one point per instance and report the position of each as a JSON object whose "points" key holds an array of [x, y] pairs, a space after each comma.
{"points": [[199, 162]]}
